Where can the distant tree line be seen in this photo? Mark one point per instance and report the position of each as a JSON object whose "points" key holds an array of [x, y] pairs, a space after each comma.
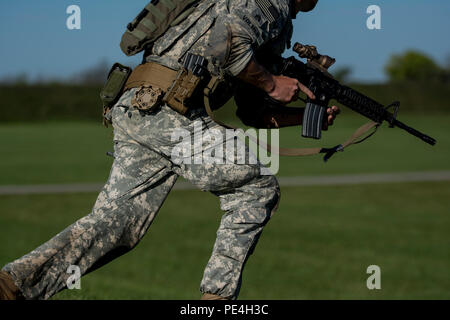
{"points": [[410, 66], [416, 66]]}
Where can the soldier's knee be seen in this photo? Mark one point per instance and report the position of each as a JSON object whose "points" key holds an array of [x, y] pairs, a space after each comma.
{"points": [[268, 195], [255, 202], [275, 194]]}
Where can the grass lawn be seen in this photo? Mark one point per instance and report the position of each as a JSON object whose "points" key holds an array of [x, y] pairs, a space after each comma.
{"points": [[69, 152], [312, 248], [318, 245]]}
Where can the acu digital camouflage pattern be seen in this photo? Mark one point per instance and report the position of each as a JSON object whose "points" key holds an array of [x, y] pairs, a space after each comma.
{"points": [[226, 32], [141, 177], [143, 174]]}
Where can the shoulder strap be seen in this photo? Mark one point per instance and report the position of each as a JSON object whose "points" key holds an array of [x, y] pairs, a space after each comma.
{"points": [[152, 22]]}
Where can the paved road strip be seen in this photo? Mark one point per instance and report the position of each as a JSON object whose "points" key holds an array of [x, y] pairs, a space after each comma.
{"points": [[334, 180]]}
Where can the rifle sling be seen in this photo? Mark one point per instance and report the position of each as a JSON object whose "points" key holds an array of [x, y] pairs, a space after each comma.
{"points": [[295, 152]]}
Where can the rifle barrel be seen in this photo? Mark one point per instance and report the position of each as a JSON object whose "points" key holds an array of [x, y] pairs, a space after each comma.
{"points": [[376, 112], [414, 132]]}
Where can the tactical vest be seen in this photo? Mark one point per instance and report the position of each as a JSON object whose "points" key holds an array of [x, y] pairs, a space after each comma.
{"points": [[155, 19]]}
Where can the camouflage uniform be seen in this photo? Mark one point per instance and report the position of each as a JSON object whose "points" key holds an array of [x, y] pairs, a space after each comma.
{"points": [[143, 172]]}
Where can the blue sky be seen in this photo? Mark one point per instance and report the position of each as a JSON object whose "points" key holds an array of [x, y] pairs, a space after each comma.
{"points": [[35, 40]]}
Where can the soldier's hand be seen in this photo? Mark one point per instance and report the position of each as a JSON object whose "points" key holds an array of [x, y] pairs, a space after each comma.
{"points": [[332, 113], [286, 89]]}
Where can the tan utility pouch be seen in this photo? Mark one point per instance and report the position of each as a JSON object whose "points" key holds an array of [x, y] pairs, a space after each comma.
{"points": [[182, 89]]}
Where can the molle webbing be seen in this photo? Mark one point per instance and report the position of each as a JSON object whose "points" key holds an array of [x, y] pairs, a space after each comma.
{"points": [[152, 22], [178, 86]]}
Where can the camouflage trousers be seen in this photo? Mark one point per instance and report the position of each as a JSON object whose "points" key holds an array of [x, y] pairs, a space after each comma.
{"points": [[141, 177]]}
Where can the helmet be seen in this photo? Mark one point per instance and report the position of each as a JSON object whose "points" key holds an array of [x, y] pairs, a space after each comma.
{"points": [[307, 5]]}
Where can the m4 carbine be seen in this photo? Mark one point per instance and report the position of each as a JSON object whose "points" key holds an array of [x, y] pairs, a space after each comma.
{"points": [[314, 74]]}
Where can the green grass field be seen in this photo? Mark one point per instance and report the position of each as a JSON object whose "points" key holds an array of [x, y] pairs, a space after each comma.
{"points": [[68, 152], [317, 246], [312, 249]]}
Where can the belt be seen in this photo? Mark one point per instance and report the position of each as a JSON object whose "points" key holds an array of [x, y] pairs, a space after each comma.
{"points": [[152, 74]]}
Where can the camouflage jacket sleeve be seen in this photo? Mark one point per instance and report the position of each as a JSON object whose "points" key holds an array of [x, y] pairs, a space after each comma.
{"points": [[254, 23]]}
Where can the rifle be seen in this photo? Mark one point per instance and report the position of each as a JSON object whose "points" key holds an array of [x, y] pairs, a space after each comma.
{"points": [[314, 74]]}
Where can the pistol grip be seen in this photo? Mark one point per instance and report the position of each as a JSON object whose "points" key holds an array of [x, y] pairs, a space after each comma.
{"points": [[313, 121]]}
